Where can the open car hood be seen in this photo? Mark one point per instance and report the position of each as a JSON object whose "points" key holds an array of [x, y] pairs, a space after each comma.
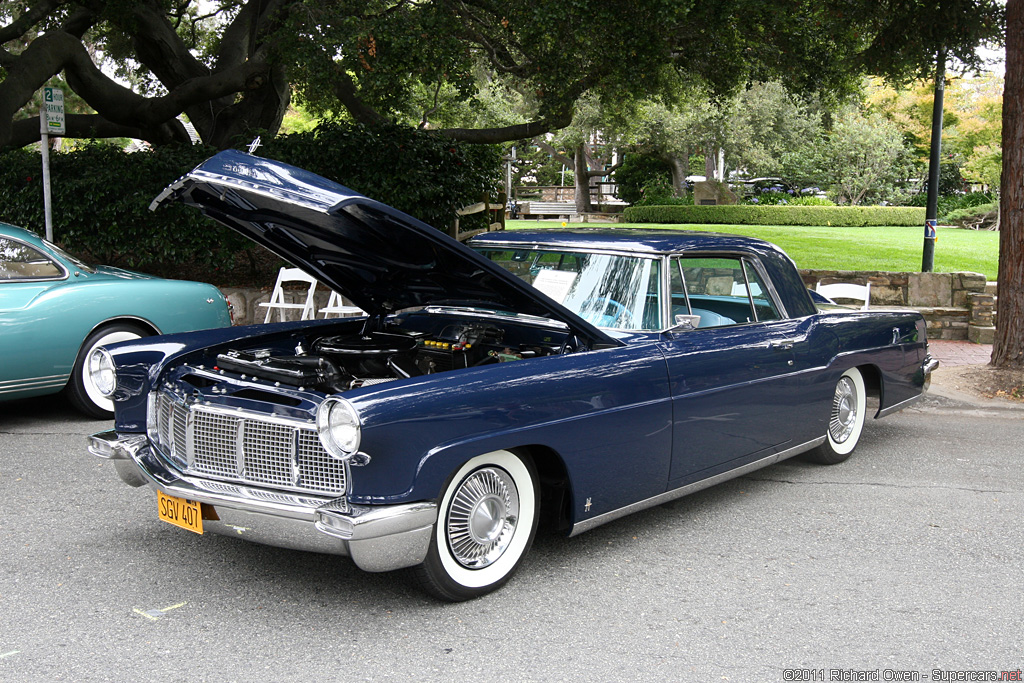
{"points": [[380, 258]]}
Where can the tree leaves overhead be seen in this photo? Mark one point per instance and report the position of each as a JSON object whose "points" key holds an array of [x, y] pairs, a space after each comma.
{"points": [[232, 65]]}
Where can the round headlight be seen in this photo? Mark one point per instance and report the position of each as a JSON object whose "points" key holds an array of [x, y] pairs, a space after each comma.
{"points": [[337, 423], [101, 372]]}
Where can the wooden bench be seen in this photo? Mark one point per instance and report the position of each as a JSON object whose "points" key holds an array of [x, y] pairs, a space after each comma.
{"points": [[538, 209]]}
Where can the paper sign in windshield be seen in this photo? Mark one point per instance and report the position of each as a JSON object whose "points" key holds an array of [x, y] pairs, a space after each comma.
{"points": [[555, 283]]}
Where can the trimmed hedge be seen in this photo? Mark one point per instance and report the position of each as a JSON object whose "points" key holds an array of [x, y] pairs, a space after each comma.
{"points": [[844, 216], [101, 195]]}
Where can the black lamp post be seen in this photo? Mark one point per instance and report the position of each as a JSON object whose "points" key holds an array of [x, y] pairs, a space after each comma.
{"points": [[932, 212]]}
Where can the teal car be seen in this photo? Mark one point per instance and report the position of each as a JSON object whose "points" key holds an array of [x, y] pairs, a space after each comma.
{"points": [[55, 311]]}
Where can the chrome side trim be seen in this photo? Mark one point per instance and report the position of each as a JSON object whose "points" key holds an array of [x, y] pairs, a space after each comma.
{"points": [[588, 524], [47, 382], [899, 406]]}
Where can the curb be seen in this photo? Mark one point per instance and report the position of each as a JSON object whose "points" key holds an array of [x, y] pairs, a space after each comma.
{"points": [[941, 395]]}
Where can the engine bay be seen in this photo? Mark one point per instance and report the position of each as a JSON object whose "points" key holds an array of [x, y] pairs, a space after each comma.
{"points": [[340, 358]]}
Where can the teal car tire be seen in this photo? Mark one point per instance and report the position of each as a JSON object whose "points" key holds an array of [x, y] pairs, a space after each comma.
{"points": [[81, 390]]}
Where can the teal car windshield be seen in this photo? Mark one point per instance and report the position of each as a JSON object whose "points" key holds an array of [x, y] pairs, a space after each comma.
{"points": [[612, 291]]}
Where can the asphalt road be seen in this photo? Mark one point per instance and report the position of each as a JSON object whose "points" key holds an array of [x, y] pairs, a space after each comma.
{"points": [[907, 558]]}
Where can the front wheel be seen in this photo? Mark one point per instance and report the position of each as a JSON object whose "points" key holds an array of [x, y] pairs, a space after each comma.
{"points": [[845, 422], [487, 518], [81, 389]]}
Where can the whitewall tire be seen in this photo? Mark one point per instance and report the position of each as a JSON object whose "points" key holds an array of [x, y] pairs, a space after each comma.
{"points": [[81, 389], [846, 420], [487, 518]]}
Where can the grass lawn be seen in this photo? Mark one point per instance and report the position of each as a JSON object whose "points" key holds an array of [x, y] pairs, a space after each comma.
{"points": [[886, 248]]}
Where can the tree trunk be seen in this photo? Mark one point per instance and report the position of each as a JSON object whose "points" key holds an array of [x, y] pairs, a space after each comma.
{"points": [[582, 180], [1008, 351], [680, 166], [710, 159]]}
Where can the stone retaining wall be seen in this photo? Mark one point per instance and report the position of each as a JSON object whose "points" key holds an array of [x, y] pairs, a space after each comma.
{"points": [[927, 290], [955, 305]]}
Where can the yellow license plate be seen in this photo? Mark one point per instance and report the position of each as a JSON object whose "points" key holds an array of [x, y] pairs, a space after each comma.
{"points": [[187, 514]]}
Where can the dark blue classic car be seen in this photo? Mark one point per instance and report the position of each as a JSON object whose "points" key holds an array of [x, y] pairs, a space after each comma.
{"points": [[546, 378]]}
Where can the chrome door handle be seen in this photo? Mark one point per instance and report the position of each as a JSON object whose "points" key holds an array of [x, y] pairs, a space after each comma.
{"points": [[783, 344]]}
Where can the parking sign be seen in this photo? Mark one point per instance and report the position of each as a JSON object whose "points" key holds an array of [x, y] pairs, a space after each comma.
{"points": [[53, 111]]}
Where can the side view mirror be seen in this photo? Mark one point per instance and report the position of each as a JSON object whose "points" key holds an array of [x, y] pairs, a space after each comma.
{"points": [[685, 322]]}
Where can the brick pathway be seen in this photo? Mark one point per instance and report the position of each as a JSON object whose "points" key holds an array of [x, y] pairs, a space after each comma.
{"points": [[952, 353]]}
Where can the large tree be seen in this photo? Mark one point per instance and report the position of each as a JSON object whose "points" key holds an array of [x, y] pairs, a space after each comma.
{"points": [[232, 65]]}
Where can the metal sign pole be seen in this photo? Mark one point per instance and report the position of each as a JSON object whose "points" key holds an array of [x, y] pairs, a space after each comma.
{"points": [[51, 120], [45, 150]]}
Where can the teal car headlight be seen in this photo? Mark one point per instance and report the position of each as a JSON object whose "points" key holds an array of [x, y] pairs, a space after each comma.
{"points": [[337, 424], [101, 372]]}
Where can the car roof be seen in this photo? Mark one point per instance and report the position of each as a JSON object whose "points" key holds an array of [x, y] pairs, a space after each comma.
{"points": [[20, 233], [780, 267], [628, 239]]}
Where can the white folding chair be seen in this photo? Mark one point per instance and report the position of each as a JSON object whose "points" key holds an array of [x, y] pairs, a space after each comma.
{"points": [[846, 290], [277, 297], [336, 304]]}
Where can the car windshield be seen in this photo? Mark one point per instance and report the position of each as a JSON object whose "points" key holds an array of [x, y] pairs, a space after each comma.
{"points": [[613, 291]]}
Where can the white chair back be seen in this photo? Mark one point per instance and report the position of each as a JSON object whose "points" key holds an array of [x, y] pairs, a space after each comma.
{"points": [[278, 301], [847, 290], [336, 305]]}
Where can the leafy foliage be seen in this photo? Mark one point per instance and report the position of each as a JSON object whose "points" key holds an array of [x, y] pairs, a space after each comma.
{"points": [[864, 158], [427, 176], [976, 216], [99, 214], [636, 172], [849, 216]]}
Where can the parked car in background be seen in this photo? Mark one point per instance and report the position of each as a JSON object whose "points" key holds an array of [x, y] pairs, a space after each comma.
{"points": [[562, 378], [55, 311]]}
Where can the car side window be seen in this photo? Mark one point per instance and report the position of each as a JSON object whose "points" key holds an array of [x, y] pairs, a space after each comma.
{"points": [[720, 291], [19, 261]]}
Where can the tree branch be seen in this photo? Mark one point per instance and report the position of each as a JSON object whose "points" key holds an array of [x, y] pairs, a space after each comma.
{"points": [[239, 37], [567, 161], [520, 131], [345, 91], [158, 47], [17, 28], [26, 131]]}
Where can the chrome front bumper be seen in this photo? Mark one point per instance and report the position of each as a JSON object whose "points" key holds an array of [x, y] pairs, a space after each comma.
{"points": [[377, 538]]}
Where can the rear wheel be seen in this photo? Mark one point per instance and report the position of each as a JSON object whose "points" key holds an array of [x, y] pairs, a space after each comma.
{"points": [[81, 389], [846, 420], [487, 518]]}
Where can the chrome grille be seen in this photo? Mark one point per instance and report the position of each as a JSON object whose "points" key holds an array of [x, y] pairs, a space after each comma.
{"points": [[245, 447]]}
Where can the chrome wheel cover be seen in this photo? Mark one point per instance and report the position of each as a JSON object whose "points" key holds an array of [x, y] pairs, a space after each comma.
{"points": [[482, 517], [843, 420]]}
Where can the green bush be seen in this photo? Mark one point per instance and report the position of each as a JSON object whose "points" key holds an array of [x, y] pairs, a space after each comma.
{"points": [[811, 201], [101, 195], [953, 202], [775, 198], [659, 192], [427, 176], [846, 216], [636, 172], [983, 216]]}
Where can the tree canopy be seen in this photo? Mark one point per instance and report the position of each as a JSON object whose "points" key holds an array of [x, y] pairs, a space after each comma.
{"points": [[232, 66]]}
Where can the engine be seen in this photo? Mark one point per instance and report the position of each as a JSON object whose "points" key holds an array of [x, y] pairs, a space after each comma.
{"points": [[340, 362]]}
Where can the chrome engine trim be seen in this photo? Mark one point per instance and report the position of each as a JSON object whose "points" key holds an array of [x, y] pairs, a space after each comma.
{"points": [[243, 447]]}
